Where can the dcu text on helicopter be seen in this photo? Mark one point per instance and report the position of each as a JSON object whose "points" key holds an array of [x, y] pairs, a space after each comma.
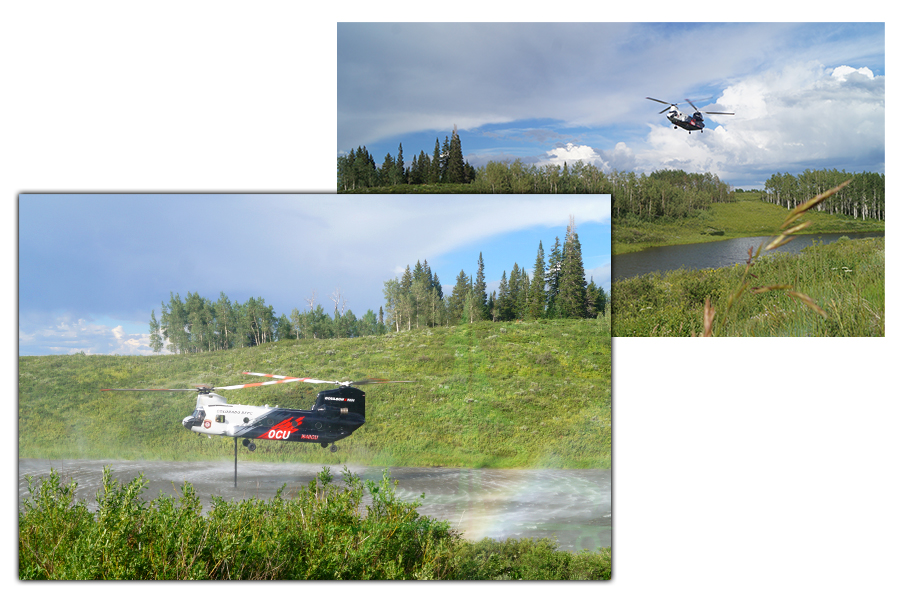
{"points": [[335, 415]]}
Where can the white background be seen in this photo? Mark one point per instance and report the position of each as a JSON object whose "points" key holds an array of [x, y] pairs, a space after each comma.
{"points": [[750, 476]]}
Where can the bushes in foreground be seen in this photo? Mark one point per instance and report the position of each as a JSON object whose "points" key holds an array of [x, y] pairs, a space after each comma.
{"points": [[324, 532]]}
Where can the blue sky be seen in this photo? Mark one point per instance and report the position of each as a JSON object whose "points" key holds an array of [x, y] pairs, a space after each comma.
{"points": [[804, 95], [93, 266]]}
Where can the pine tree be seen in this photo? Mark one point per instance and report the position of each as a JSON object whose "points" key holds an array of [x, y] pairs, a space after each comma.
{"points": [[572, 299], [536, 294], [514, 282], [455, 164], [445, 160], [554, 267], [457, 299], [434, 175], [480, 289], [502, 303]]}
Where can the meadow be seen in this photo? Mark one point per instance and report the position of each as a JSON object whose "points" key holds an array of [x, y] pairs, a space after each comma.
{"points": [[748, 216], [530, 394], [845, 279]]}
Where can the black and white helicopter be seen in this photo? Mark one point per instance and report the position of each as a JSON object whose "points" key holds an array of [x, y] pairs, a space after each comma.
{"points": [[336, 414], [687, 122]]}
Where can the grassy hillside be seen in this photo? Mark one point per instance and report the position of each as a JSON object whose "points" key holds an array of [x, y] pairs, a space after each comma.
{"points": [[748, 216], [531, 394], [844, 278]]}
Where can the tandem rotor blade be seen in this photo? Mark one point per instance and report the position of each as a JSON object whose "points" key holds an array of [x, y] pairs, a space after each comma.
{"points": [[191, 389], [376, 382]]}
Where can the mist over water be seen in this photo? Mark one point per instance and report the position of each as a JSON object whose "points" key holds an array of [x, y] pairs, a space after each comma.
{"points": [[574, 506]]}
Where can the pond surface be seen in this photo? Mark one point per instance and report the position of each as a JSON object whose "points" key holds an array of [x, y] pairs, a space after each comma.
{"points": [[711, 254], [575, 506]]}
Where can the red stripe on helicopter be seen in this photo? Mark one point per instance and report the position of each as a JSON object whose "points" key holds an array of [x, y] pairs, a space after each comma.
{"points": [[282, 430]]}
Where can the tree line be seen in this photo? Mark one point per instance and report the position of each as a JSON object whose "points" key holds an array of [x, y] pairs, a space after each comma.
{"points": [[662, 194], [197, 324], [862, 198], [357, 169], [556, 289]]}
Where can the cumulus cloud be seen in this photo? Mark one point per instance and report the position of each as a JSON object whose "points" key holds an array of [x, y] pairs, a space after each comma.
{"points": [[70, 335]]}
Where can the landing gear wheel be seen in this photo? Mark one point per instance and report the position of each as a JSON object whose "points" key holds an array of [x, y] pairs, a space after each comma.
{"points": [[245, 442], [333, 448], [324, 445], [252, 446]]}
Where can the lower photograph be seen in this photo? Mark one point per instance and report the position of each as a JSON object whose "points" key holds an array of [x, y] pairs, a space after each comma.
{"points": [[314, 386]]}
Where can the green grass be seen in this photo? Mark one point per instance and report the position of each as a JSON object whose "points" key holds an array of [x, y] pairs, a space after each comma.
{"points": [[749, 216], [844, 278], [532, 394], [322, 532]]}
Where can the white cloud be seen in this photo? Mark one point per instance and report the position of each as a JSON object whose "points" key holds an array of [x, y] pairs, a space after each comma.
{"points": [[841, 72], [803, 113], [70, 335]]}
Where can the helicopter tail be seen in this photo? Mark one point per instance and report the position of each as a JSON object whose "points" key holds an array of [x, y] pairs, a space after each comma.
{"points": [[344, 399]]}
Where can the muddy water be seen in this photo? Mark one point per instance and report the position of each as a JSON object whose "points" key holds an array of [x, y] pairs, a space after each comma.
{"points": [[574, 506]]}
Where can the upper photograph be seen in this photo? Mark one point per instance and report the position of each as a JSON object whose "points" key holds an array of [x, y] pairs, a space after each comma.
{"points": [[745, 161]]}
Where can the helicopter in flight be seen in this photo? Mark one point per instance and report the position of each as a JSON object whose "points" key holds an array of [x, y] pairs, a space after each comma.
{"points": [[687, 122], [335, 415]]}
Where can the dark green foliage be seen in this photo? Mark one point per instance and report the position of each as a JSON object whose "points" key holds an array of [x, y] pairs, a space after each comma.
{"points": [[571, 300], [529, 559], [536, 293], [322, 532], [356, 170]]}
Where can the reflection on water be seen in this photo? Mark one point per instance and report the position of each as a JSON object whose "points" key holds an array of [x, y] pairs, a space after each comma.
{"points": [[575, 506], [711, 254]]}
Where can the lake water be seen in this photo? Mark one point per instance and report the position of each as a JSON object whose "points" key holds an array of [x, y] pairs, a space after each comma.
{"points": [[575, 506], [710, 254]]}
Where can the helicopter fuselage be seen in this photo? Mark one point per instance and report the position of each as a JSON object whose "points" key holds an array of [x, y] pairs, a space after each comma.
{"points": [[686, 122], [336, 414]]}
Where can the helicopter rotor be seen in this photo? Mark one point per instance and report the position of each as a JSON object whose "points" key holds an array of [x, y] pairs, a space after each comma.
{"points": [[292, 379], [691, 104], [205, 389]]}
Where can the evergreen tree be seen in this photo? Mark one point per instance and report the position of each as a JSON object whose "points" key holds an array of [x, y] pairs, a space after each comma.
{"points": [[398, 174], [596, 300], [445, 159], [502, 304], [571, 301], [455, 164], [436, 285], [536, 294], [554, 267], [456, 301], [406, 281], [387, 171], [480, 289], [514, 283], [434, 175]]}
